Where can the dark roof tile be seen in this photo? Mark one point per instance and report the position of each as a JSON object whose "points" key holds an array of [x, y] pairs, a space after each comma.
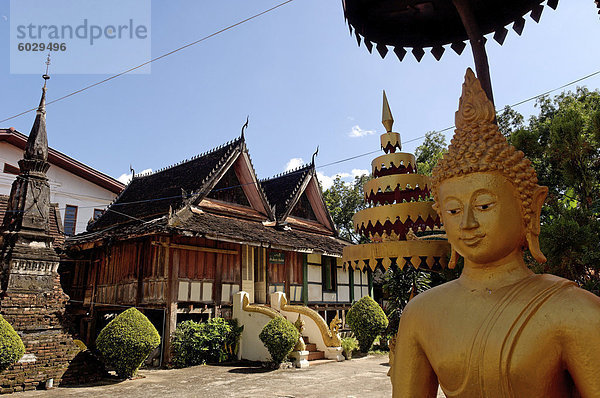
{"points": [[152, 195], [281, 189], [219, 227]]}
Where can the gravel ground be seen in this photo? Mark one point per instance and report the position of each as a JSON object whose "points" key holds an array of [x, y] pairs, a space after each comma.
{"points": [[360, 377]]}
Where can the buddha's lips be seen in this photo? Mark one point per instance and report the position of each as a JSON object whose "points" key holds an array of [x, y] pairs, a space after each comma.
{"points": [[472, 240]]}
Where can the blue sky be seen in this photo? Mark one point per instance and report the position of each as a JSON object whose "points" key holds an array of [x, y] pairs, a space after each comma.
{"points": [[296, 72]]}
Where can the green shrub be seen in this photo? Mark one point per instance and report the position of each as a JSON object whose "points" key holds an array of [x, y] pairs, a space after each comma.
{"points": [[382, 342], [195, 343], [349, 344], [279, 336], [367, 320], [126, 342], [11, 345]]}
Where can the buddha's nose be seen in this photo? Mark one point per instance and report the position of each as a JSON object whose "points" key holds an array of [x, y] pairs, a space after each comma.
{"points": [[468, 220]]}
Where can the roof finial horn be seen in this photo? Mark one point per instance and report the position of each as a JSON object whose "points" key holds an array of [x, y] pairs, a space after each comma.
{"points": [[245, 126], [312, 161]]}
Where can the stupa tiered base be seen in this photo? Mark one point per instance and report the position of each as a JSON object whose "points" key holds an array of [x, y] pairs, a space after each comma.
{"points": [[420, 254], [400, 208]]}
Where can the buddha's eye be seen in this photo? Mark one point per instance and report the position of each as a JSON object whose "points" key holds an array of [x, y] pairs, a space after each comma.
{"points": [[485, 206], [453, 211]]}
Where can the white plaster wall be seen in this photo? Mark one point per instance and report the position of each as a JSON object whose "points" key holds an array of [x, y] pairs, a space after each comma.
{"points": [[248, 286], [65, 188], [296, 293], [343, 276], [365, 291], [315, 293], [330, 297], [251, 348], [343, 293], [357, 293], [357, 275], [276, 288], [314, 273]]}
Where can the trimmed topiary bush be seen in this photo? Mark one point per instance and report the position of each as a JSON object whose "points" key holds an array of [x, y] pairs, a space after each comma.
{"points": [[11, 345], [279, 336], [126, 342], [195, 343], [367, 320]]}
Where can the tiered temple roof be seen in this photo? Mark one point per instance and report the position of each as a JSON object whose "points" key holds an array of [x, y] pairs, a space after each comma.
{"points": [[190, 198]]}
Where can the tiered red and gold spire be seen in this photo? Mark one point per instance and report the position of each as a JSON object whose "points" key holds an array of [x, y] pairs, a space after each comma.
{"points": [[400, 207]]}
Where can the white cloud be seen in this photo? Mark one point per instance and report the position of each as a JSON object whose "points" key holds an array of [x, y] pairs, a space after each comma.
{"points": [[327, 181], [294, 163], [125, 178], [359, 172], [358, 132]]}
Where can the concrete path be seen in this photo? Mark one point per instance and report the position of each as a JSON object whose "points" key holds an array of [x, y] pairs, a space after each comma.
{"points": [[361, 377]]}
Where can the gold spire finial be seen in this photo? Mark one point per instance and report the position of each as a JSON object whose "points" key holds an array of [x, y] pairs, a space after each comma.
{"points": [[386, 119]]}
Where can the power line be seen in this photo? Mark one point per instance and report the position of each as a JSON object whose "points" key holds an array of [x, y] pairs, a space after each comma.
{"points": [[497, 112], [344, 159], [154, 59]]}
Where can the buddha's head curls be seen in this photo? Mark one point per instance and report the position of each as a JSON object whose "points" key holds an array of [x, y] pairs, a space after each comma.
{"points": [[478, 146]]}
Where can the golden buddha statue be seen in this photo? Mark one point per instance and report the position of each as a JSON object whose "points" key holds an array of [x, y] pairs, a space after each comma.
{"points": [[499, 330]]}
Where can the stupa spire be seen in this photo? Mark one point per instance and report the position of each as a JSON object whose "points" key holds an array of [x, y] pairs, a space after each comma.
{"points": [[386, 115], [37, 143], [390, 141], [27, 211]]}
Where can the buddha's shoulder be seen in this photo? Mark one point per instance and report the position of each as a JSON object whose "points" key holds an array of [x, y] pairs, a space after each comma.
{"points": [[431, 299], [569, 307]]}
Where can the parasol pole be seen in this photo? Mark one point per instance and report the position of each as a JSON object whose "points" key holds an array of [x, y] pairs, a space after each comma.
{"points": [[477, 45]]}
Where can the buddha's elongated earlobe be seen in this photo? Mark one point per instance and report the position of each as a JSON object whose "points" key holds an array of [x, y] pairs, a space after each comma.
{"points": [[453, 258], [533, 229]]}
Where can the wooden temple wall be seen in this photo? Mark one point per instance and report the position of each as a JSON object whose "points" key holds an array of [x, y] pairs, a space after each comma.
{"points": [[285, 273], [208, 271]]}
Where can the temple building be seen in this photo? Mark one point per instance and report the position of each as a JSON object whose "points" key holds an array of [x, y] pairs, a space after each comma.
{"points": [[179, 243], [79, 191]]}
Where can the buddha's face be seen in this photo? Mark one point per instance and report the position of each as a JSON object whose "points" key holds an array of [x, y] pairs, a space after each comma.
{"points": [[482, 216]]}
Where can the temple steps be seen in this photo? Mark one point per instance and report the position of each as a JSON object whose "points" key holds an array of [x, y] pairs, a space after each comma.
{"points": [[313, 354]]}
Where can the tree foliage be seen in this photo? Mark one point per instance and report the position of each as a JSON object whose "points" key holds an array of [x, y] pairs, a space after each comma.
{"points": [[430, 151], [563, 143], [399, 287], [343, 200], [196, 343]]}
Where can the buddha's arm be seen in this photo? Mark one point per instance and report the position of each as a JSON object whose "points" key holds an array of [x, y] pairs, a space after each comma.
{"points": [[581, 348], [412, 374]]}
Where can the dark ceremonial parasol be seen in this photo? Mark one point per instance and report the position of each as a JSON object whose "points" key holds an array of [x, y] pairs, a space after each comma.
{"points": [[421, 24]]}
